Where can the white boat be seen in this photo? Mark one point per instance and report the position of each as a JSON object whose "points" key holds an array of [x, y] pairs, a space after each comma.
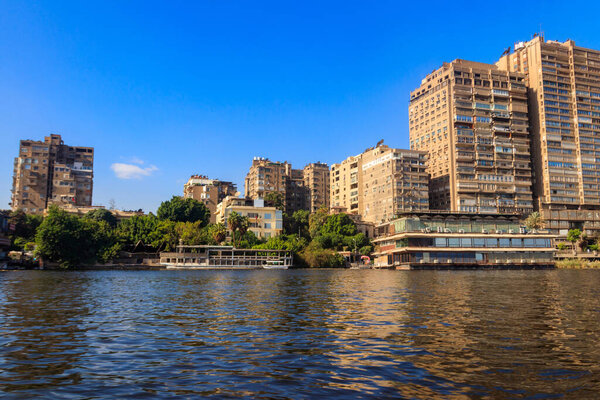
{"points": [[225, 257]]}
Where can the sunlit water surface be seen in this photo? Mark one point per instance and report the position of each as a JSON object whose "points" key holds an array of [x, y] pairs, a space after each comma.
{"points": [[300, 334]]}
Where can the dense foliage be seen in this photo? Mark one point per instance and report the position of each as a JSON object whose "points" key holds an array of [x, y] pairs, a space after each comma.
{"points": [[179, 209]]}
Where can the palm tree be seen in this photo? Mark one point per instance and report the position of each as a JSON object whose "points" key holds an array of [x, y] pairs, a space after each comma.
{"points": [[244, 225], [534, 221], [219, 232], [233, 221]]}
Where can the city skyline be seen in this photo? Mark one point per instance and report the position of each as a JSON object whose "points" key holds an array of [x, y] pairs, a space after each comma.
{"points": [[161, 103]]}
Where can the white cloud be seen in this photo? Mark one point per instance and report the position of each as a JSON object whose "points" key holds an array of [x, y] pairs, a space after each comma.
{"points": [[130, 171]]}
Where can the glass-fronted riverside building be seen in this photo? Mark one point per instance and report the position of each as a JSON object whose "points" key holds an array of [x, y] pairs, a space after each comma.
{"points": [[442, 239]]}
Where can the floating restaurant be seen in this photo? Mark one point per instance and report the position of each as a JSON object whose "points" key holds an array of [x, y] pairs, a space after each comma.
{"points": [[442, 239], [225, 257]]}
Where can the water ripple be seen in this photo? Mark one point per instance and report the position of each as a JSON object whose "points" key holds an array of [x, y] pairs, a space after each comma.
{"points": [[300, 334]]}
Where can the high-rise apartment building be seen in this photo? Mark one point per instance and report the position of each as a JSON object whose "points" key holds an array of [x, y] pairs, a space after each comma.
{"points": [[380, 182], [564, 112], [472, 120], [51, 172], [294, 185], [208, 191], [344, 184], [316, 180]]}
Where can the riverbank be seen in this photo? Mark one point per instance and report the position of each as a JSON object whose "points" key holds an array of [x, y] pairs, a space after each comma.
{"points": [[575, 263]]}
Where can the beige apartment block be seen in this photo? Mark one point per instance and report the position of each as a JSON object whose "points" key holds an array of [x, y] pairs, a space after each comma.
{"points": [[300, 189], [51, 172], [471, 118], [208, 191], [265, 222], [380, 182], [344, 184], [563, 82], [316, 179]]}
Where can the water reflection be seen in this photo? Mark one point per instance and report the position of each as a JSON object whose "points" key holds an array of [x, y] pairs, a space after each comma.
{"points": [[290, 334]]}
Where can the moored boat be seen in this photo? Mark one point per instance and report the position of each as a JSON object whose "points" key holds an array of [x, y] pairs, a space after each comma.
{"points": [[225, 257]]}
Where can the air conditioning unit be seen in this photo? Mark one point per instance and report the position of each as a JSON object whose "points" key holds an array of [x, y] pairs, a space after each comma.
{"points": [[436, 261], [449, 261], [511, 231], [521, 230], [484, 231]]}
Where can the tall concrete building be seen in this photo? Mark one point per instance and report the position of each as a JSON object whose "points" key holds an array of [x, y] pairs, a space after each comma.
{"points": [[300, 189], [379, 183], [471, 118], [51, 172], [316, 180], [563, 82], [344, 183], [208, 191]]}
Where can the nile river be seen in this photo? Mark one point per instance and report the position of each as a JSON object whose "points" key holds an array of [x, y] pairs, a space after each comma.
{"points": [[300, 334]]}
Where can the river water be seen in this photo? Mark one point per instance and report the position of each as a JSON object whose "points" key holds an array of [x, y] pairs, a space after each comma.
{"points": [[300, 334]]}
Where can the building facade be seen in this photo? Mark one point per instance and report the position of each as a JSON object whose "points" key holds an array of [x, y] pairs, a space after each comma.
{"points": [[316, 180], [51, 172], [264, 222], [380, 182], [563, 82], [432, 240], [472, 119], [208, 191], [300, 189]]}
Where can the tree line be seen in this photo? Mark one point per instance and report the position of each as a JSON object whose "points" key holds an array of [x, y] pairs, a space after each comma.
{"points": [[97, 237]]}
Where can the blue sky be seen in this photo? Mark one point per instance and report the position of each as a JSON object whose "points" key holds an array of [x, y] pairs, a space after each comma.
{"points": [[175, 88]]}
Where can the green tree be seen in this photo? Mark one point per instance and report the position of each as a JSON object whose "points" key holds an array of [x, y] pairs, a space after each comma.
{"points": [[102, 214], [274, 199], [573, 236], [138, 228], [25, 227], [234, 220], [218, 232], [534, 221], [184, 210], [191, 233], [65, 239], [297, 223], [316, 221], [248, 240], [340, 224], [164, 237]]}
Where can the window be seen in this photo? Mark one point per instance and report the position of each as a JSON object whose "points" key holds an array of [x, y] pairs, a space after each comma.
{"points": [[491, 242], [267, 216], [267, 225], [453, 242]]}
